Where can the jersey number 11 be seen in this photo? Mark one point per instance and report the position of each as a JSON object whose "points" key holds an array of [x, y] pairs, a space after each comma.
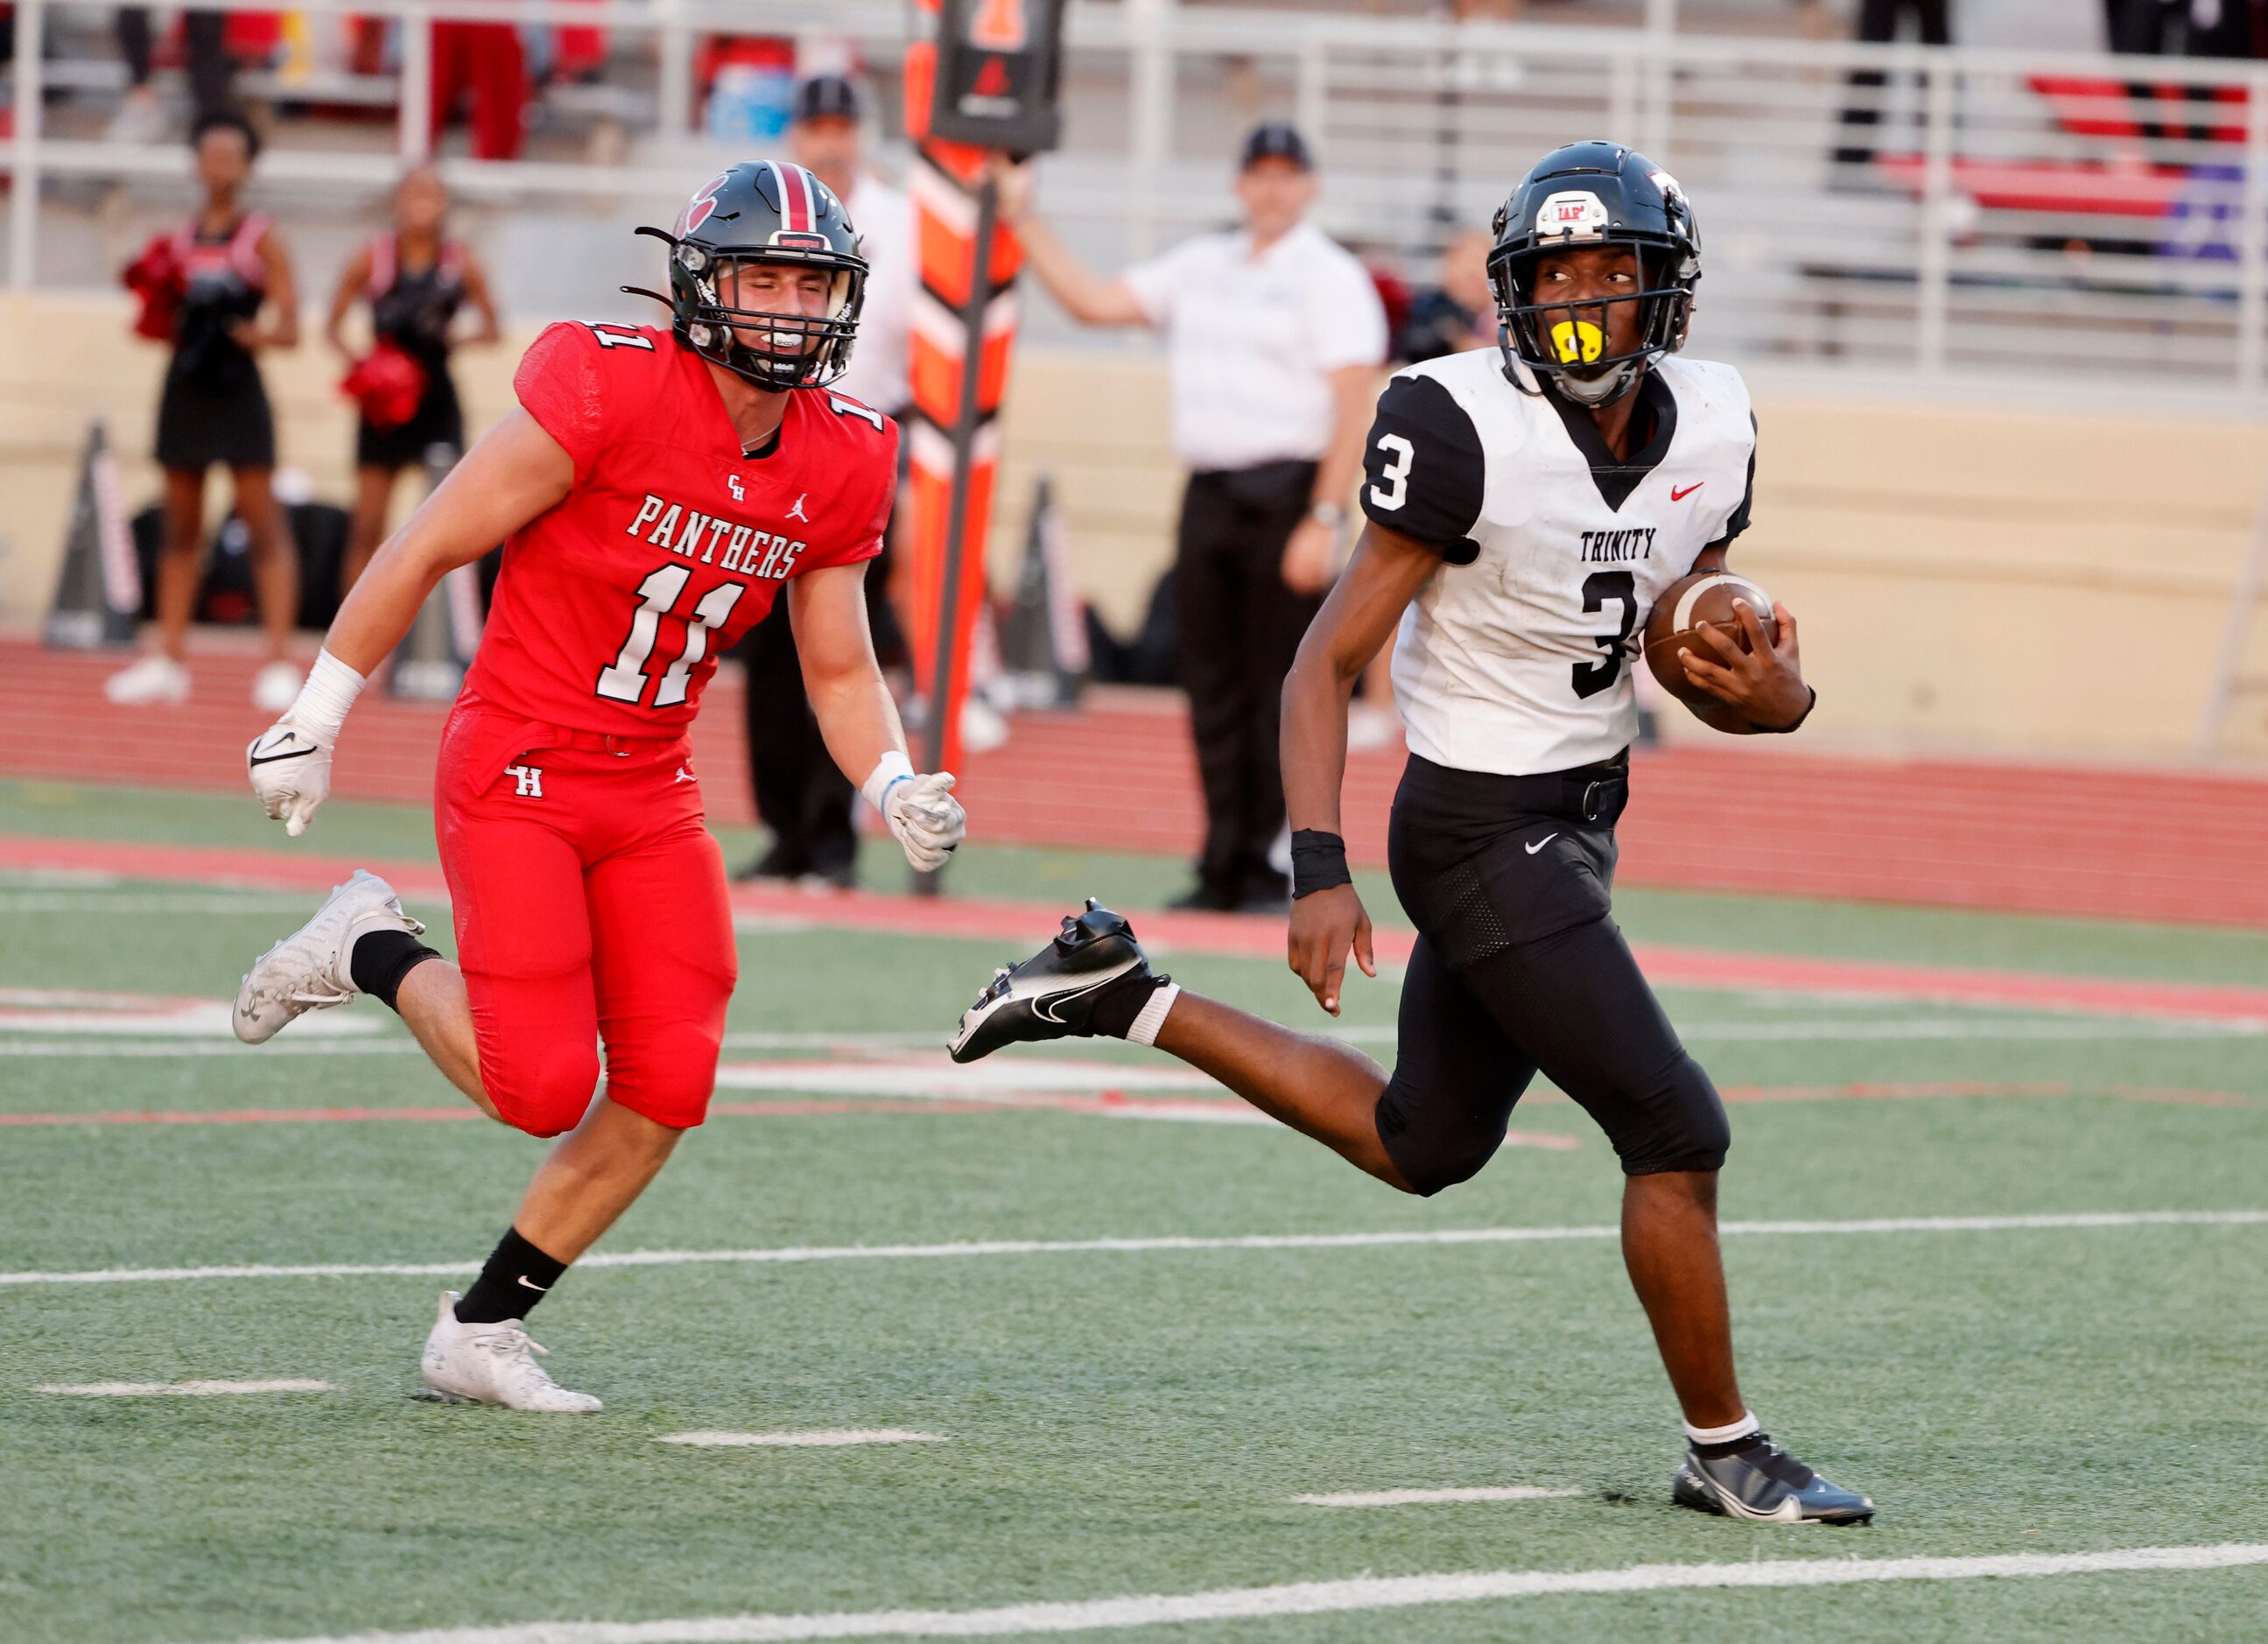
{"points": [[624, 680]]}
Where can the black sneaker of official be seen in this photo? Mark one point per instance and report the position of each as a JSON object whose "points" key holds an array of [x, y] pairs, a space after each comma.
{"points": [[1093, 967], [1763, 1481], [1204, 898], [780, 862]]}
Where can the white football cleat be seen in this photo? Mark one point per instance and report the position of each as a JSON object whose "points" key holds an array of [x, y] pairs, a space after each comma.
{"points": [[276, 687], [493, 1364], [156, 681], [308, 970]]}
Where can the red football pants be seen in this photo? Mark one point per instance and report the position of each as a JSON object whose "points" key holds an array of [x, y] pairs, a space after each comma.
{"points": [[590, 906], [485, 58]]}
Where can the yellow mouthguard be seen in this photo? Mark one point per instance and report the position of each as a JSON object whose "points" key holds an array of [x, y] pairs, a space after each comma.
{"points": [[1577, 342]]}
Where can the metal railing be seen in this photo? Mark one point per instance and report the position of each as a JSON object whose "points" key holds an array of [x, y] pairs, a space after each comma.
{"points": [[1987, 220]]}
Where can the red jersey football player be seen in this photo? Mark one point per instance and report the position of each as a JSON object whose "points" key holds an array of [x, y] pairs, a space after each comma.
{"points": [[655, 491]]}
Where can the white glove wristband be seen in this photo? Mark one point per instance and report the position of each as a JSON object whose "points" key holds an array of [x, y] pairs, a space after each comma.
{"points": [[320, 711], [891, 767]]}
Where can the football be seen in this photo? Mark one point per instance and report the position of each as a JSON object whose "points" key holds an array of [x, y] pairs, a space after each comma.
{"points": [[1706, 596]]}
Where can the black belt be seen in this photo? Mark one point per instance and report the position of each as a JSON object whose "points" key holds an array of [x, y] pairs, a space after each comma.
{"points": [[1586, 793]]}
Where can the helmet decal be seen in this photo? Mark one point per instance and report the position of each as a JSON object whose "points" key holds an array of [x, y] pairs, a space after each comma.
{"points": [[703, 204], [799, 203], [1572, 214]]}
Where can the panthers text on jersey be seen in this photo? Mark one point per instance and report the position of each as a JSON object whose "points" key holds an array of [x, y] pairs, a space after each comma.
{"points": [[1516, 657], [613, 607]]}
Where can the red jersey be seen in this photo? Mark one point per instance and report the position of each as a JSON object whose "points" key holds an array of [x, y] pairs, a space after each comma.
{"points": [[613, 607]]}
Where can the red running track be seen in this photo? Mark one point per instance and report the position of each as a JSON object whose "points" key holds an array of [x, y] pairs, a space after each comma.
{"points": [[1019, 925], [2143, 845]]}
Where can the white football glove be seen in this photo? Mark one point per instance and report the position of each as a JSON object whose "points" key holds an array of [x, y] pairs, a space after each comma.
{"points": [[291, 773], [927, 821]]}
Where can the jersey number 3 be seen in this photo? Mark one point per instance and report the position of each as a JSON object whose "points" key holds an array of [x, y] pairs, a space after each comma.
{"points": [[1392, 487], [624, 680], [1599, 587]]}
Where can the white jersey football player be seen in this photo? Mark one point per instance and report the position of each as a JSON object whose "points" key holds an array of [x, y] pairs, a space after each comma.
{"points": [[1527, 506]]}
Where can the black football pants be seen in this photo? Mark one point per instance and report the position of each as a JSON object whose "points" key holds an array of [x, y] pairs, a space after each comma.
{"points": [[1237, 629], [1518, 969]]}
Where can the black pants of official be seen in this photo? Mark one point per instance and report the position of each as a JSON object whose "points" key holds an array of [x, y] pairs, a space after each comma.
{"points": [[800, 796], [1878, 21], [1518, 969], [1237, 630]]}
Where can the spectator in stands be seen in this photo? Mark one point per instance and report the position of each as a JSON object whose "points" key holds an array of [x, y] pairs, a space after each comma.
{"points": [[801, 797], [486, 64], [1274, 338], [2189, 28], [414, 279], [205, 43], [238, 298], [1878, 21], [1457, 313]]}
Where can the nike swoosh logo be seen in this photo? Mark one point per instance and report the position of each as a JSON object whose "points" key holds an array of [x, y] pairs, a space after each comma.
{"points": [[1046, 1014], [289, 753], [1545, 840], [1676, 495], [539, 1289]]}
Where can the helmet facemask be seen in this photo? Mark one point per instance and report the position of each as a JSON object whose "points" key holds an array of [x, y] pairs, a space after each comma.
{"points": [[1565, 343], [774, 350]]}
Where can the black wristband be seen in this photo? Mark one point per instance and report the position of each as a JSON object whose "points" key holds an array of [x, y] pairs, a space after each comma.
{"points": [[1318, 862], [1783, 730]]}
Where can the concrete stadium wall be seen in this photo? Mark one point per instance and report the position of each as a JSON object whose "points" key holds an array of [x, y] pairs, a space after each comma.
{"points": [[2026, 582]]}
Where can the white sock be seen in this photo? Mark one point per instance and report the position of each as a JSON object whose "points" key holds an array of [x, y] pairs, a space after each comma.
{"points": [[1145, 1030], [1725, 1434]]}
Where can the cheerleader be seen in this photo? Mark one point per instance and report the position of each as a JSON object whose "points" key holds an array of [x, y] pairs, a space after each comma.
{"points": [[234, 297], [414, 280]]}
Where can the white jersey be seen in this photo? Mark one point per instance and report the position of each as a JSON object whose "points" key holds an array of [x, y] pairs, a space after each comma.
{"points": [[1516, 657]]}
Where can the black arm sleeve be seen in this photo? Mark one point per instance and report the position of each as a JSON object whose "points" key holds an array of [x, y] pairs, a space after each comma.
{"points": [[1739, 521], [1423, 473]]}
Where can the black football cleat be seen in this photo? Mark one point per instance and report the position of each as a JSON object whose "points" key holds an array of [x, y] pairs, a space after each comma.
{"points": [[1052, 995], [1765, 1482]]}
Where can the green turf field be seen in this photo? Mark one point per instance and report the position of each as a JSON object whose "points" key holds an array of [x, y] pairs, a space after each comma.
{"points": [[1114, 1423]]}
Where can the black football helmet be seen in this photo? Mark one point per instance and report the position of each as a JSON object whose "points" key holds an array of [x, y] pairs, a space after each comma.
{"points": [[1593, 194], [764, 211]]}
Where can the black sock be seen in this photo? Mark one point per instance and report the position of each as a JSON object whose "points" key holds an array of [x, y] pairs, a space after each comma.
{"points": [[380, 958], [1730, 1446], [514, 1280], [1118, 1003]]}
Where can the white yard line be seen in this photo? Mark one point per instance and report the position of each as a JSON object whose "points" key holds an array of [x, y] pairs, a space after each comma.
{"points": [[1428, 1498], [933, 1077], [167, 1048], [1169, 1243], [1951, 1029], [243, 903], [180, 1389], [825, 1438], [1315, 1599], [1928, 1029]]}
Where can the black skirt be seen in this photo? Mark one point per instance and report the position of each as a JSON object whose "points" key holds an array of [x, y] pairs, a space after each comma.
{"points": [[200, 424], [438, 420]]}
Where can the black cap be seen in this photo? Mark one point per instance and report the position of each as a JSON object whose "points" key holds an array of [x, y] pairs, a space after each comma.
{"points": [[1275, 140], [826, 97]]}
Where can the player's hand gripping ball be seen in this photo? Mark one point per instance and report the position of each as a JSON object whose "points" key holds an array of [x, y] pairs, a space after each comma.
{"points": [[925, 819], [1716, 639], [290, 774], [1675, 621]]}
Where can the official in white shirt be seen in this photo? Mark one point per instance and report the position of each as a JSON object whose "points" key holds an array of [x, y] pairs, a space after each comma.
{"points": [[801, 797], [1274, 334]]}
